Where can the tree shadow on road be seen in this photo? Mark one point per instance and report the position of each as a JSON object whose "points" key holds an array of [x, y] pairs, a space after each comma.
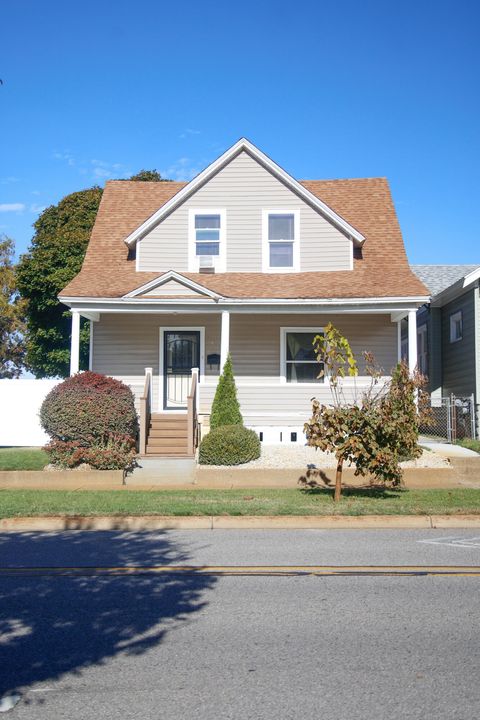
{"points": [[50, 626]]}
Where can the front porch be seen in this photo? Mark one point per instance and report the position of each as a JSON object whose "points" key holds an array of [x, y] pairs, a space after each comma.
{"points": [[274, 373]]}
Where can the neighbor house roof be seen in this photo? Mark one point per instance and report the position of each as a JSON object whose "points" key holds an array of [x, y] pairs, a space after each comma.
{"points": [[381, 268], [438, 278]]}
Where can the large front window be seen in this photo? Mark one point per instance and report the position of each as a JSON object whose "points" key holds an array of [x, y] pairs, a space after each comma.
{"points": [[301, 365]]}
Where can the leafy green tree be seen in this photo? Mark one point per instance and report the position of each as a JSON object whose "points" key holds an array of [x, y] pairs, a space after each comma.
{"points": [[54, 258], [12, 310], [151, 175], [225, 406]]}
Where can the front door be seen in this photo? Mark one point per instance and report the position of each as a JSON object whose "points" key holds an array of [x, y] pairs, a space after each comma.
{"points": [[181, 353]]}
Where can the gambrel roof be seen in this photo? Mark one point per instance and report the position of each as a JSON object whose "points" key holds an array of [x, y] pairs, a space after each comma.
{"points": [[363, 205]]}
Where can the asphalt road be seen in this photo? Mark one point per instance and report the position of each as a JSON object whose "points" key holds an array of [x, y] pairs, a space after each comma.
{"points": [[206, 647]]}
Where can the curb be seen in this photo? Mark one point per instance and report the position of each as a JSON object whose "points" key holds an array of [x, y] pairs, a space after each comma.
{"points": [[246, 522]]}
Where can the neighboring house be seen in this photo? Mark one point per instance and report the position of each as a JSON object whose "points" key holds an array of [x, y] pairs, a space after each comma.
{"points": [[449, 330], [243, 259]]}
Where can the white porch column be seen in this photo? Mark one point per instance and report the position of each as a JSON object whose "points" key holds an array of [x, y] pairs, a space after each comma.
{"points": [[225, 338], [412, 340], [399, 340], [75, 343]]}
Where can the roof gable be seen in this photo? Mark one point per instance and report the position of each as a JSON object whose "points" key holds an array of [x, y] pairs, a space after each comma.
{"points": [[244, 145], [173, 284]]}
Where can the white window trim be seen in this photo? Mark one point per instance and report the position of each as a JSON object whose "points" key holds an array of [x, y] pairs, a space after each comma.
{"points": [[176, 328], [266, 243], [453, 318], [220, 260], [283, 353]]}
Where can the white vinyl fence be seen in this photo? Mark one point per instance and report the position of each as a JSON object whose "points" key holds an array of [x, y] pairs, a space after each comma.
{"points": [[20, 402]]}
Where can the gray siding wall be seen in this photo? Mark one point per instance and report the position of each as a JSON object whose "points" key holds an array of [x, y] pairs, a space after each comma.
{"points": [[244, 188], [459, 362], [124, 345], [432, 318]]}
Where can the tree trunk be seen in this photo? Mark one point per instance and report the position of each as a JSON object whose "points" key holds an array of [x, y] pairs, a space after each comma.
{"points": [[338, 481]]}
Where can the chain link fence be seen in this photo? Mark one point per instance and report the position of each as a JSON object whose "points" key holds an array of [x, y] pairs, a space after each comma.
{"points": [[452, 418]]}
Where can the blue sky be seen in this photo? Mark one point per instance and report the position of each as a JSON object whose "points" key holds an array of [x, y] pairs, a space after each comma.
{"points": [[99, 89]]}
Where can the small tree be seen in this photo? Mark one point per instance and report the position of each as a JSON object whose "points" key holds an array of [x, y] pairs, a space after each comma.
{"points": [[225, 406], [373, 432]]}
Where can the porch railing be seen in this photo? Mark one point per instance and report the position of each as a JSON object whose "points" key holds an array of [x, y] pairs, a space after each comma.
{"points": [[145, 411], [192, 414]]}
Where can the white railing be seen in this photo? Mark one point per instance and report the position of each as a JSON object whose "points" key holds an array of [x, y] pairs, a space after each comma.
{"points": [[192, 414], [145, 411]]}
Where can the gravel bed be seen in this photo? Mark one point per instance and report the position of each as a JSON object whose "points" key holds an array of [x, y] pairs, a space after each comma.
{"points": [[299, 456]]}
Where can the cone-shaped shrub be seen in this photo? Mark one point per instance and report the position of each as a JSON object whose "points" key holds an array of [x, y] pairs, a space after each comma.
{"points": [[225, 406]]}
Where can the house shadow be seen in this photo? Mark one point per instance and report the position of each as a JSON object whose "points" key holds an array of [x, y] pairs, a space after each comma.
{"points": [[56, 624]]}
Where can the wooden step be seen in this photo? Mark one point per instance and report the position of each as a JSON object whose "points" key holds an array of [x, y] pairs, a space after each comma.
{"points": [[168, 432], [166, 441], [167, 450], [179, 455], [170, 425], [169, 416]]}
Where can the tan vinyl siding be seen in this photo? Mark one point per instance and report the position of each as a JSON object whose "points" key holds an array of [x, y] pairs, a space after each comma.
{"points": [[255, 340], [459, 357], [279, 404], [125, 344], [245, 188]]}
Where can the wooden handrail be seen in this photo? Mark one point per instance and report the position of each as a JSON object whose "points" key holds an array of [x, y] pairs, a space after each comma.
{"points": [[145, 411], [192, 414]]}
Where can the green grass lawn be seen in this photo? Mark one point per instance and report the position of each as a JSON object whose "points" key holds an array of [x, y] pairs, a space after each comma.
{"points": [[237, 502], [470, 444], [22, 458]]}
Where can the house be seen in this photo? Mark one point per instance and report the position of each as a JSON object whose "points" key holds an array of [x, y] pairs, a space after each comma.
{"points": [[242, 259], [449, 330]]}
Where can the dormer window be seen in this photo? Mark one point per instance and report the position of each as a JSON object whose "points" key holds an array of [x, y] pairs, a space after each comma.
{"points": [[280, 241], [207, 239]]}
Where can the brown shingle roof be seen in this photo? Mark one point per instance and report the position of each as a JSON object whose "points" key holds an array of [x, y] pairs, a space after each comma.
{"points": [[381, 271]]}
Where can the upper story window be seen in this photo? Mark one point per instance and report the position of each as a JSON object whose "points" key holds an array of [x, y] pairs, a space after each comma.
{"points": [[456, 326], [207, 240], [280, 241], [207, 234]]}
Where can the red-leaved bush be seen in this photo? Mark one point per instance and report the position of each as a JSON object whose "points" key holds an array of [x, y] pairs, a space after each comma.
{"points": [[91, 419], [116, 452]]}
